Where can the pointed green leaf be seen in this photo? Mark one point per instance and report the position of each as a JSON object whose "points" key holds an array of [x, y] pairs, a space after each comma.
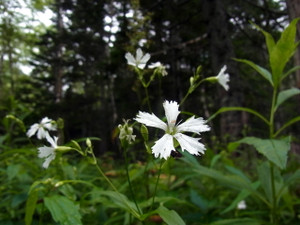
{"points": [[262, 71], [171, 217], [63, 210], [235, 181], [30, 206], [287, 124], [283, 51], [294, 177], [228, 109], [268, 37], [295, 68], [286, 94], [241, 196], [265, 179], [122, 202], [275, 150]]}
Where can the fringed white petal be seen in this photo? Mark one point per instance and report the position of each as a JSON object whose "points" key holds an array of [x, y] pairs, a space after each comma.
{"points": [[163, 146], [48, 160], [193, 125], [171, 111], [223, 78], [190, 144], [150, 120], [42, 133], [32, 130], [45, 151]]}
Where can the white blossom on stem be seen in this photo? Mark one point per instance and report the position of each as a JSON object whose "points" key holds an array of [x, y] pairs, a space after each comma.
{"points": [[223, 78], [165, 145], [41, 128], [48, 153], [140, 60]]}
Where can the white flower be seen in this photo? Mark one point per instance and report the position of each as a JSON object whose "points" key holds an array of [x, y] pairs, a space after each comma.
{"points": [[139, 61], [155, 65], [160, 67], [223, 78], [164, 146], [48, 153], [242, 205], [41, 128]]}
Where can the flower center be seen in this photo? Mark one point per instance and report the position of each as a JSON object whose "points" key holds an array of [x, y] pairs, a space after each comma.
{"points": [[171, 130]]}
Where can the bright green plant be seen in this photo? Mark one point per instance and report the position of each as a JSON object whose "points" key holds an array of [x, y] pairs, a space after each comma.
{"points": [[272, 186]]}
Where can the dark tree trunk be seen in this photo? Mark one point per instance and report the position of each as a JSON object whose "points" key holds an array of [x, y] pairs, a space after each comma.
{"points": [[222, 52]]}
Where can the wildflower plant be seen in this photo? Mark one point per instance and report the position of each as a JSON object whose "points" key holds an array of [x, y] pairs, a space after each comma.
{"points": [[271, 187], [179, 137], [42, 129]]}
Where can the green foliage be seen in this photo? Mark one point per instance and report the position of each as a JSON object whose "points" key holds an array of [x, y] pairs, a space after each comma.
{"points": [[63, 210], [169, 216], [275, 150]]}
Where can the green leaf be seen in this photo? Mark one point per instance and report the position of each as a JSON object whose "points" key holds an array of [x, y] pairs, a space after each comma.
{"points": [[295, 68], [12, 171], [265, 179], [264, 174], [287, 124], [268, 37], [169, 216], [262, 71], [286, 94], [30, 206], [228, 109], [275, 150], [63, 210], [122, 202], [283, 51], [234, 181], [241, 196], [244, 221]]}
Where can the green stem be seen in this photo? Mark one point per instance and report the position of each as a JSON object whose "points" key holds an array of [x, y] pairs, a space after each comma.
{"points": [[272, 113], [129, 181], [274, 203], [147, 98], [155, 190], [272, 177], [136, 214], [192, 88]]}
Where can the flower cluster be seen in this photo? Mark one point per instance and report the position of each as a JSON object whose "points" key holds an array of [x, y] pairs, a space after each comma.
{"points": [[42, 131]]}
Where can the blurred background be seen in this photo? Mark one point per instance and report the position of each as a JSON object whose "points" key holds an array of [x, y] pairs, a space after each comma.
{"points": [[65, 59]]}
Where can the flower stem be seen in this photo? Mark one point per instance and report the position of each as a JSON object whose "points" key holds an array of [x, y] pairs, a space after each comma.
{"points": [[155, 190], [274, 203], [147, 98], [129, 181], [272, 177]]}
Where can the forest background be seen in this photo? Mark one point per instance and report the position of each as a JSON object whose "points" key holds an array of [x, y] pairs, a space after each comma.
{"points": [[75, 69], [79, 73]]}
